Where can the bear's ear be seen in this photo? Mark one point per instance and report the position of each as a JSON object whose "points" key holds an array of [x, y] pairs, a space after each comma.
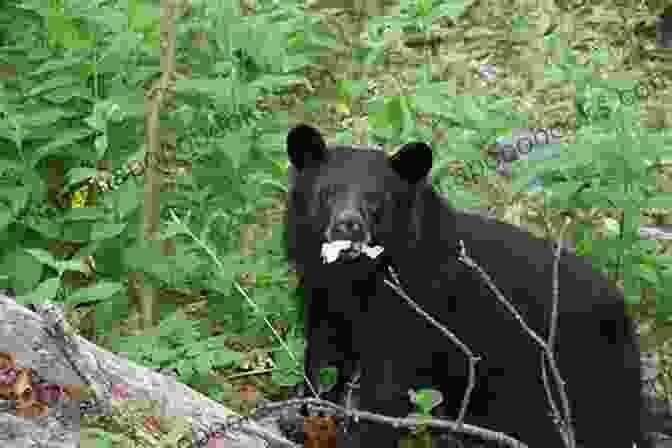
{"points": [[412, 162], [305, 147]]}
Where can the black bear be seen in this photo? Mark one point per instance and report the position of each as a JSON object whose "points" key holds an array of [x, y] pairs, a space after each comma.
{"points": [[368, 199]]}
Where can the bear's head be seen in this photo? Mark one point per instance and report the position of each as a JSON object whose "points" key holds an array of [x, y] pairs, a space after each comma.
{"points": [[347, 194]]}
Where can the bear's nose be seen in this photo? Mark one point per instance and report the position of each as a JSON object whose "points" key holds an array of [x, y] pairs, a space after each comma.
{"points": [[348, 225]]}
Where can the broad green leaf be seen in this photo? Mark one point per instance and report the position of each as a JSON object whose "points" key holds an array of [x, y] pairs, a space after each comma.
{"points": [[16, 196], [45, 117], [47, 228], [660, 200], [53, 83], [44, 257], [129, 197], [105, 230], [95, 293], [67, 138], [45, 291], [24, 270], [84, 214], [226, 358]]}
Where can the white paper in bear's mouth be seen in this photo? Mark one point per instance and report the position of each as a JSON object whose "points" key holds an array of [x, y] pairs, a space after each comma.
{"points": [[348, 249]]}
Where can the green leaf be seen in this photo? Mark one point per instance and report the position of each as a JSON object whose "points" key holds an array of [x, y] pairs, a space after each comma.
{"points": [[24, 270], [45, 291], [328, 375], [648, 273], [44, 257], [129, 197], [20, 198], [236, 147], [6, 217], [471, 112], [105, 230], [208, 87], [172, 229], [274, 185], [394, 111], [287, 373], [53, 83], [428, 103], [101, 143], [612, 226], [45, 117], [95, 293], [631, 285], [203, 364], [226, 358], [84, 214], [67, 138], [56, 65], [162, 354], [47, 228], [660, 200], [143, 15], [426, 399], [62, 95], [452, 8]]}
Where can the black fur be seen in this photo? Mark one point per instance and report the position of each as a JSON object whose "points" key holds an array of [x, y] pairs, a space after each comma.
{"points": [[350, 315]]}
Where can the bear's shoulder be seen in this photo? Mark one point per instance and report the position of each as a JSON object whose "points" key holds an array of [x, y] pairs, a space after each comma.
{"points": [[517, 258]]}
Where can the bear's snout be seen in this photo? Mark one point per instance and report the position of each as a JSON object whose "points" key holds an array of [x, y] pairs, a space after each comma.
{"points": [[348, 225]]}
